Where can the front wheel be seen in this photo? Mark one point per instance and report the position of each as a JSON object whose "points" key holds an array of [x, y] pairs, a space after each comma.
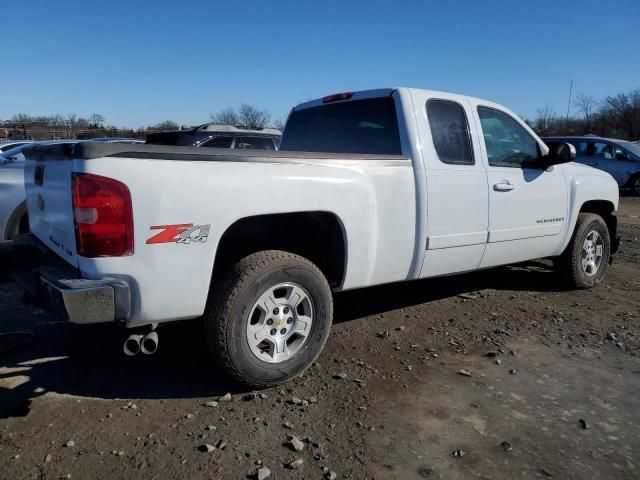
{"points": [[585, 259], [269, 318]]}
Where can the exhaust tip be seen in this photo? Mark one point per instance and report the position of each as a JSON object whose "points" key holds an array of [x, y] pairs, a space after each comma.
{"points": [[149, 343], [132, 345]]}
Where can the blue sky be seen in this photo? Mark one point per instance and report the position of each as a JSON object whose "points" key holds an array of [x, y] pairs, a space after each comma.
{"points": [[139, 62]]}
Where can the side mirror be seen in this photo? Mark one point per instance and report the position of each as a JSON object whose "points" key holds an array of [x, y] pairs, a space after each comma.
{"points": [[562, 152], [622, 156]]}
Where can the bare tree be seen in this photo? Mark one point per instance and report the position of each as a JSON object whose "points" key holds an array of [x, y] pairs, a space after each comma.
{"points": [[57, 120], [545, 120], [247, 116], [96, 120], [253, 117], [587, 106], [226, 116], [279, 124], [72, 120], [21, 117], [624, 112], [166, 125]]}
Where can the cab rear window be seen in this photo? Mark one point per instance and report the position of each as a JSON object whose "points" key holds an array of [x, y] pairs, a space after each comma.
{"points": [[367, 126]]}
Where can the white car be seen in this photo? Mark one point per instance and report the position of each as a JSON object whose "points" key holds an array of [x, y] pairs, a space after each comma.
{"points": [[368, 188]]}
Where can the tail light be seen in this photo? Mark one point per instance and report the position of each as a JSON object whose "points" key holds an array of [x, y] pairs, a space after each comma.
{"points": [[336, 97], [103, 216]]}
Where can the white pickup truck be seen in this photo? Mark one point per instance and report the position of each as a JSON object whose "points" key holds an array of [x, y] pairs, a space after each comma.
{"points": [[368, 188]]}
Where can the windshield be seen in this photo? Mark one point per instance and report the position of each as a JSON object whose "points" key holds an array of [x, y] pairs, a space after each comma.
{"points": [[360, 126], [12, 152], [632, 147]]}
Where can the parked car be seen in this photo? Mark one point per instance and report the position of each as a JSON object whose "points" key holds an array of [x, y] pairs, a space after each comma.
{"points": [[13, 209], [116, 139], [9, 144], [219, 136], [368, 188], [618, 157]]}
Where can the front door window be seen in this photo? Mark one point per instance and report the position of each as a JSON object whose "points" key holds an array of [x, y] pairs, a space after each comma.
{"points": [[508, 143]]}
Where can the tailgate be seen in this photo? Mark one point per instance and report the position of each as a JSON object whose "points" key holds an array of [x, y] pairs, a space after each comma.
{"points": [[47, 178]]}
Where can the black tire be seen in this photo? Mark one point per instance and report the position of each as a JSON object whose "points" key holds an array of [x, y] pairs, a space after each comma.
{"points": [[230, 304], [634, 185], [569, 264]]}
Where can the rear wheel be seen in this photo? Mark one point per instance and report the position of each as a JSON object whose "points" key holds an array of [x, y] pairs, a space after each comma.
{"points": [[269, 318], [585, 259]]}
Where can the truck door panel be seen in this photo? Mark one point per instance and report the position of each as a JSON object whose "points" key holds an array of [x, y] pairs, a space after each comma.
{"points": [[457, 199], [527, 206]]}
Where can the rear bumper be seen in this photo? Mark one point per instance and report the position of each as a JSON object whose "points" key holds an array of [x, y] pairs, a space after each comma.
{"points": [[55, 286]]}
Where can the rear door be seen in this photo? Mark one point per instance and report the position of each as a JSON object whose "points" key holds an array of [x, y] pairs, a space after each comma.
{"points": [[457, 201], [527, 205]]}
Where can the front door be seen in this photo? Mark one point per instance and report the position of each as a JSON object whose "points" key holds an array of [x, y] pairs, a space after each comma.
{"points": [[527, 205]]}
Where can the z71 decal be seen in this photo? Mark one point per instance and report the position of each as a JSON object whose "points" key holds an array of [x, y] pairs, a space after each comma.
{"points": [[184, 233]]}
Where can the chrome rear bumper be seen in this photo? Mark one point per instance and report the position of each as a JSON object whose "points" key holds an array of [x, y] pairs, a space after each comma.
{"points": [[56, 286]]}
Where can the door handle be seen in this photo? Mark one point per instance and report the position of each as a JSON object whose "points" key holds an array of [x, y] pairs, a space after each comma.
{"points": [[503, 186]]}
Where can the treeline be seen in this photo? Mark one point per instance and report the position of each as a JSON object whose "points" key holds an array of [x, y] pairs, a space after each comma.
{"points": [[71, 125], [616, 116]]}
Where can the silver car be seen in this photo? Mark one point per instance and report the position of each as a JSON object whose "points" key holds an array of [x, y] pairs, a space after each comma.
{"points": [[619, 158], [9, 144]]}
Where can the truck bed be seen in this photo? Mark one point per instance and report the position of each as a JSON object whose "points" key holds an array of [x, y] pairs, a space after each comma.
{"points": [[89, 150], [215, 189]]}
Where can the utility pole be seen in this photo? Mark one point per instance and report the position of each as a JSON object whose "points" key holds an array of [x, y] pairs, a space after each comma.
{"points": [[566, 122]]}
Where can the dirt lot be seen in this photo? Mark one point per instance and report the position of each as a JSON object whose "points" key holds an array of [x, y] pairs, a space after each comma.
{"points": [[562, 390]]}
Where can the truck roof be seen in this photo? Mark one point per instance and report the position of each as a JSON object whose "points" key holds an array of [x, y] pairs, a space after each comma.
{"points": [[378, 92]]}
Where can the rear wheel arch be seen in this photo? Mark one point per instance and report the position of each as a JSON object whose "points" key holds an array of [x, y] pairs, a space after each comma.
{"points": [[319, 236]]}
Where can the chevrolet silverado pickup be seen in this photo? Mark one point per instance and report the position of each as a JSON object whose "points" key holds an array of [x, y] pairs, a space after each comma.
{"points": [[368, 188]]}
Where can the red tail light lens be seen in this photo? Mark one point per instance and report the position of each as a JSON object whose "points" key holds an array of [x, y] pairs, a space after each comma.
{"points": [[103, 216]]}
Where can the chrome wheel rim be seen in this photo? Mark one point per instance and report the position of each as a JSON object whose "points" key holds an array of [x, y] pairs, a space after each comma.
{"points": [[591, 253], [636, 186], [280, 322]]}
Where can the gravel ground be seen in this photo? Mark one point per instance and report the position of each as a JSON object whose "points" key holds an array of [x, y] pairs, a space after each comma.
{"points": [[496, 374]]}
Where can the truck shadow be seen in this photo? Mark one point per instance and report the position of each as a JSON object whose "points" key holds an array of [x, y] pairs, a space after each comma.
{"points": [[535, 276], [87, 361]]}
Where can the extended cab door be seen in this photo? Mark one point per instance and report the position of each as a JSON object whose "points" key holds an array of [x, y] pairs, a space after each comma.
{"points": [[527, 205], [456, 207]]}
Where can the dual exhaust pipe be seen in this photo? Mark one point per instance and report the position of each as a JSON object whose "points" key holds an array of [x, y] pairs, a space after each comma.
{"points": [[136, 343]]}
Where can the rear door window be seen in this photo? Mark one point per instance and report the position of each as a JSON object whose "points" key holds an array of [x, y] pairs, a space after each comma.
{"points": [[367, 126], [595, 149], [254, 143], [450, 132], [218, 142]]}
